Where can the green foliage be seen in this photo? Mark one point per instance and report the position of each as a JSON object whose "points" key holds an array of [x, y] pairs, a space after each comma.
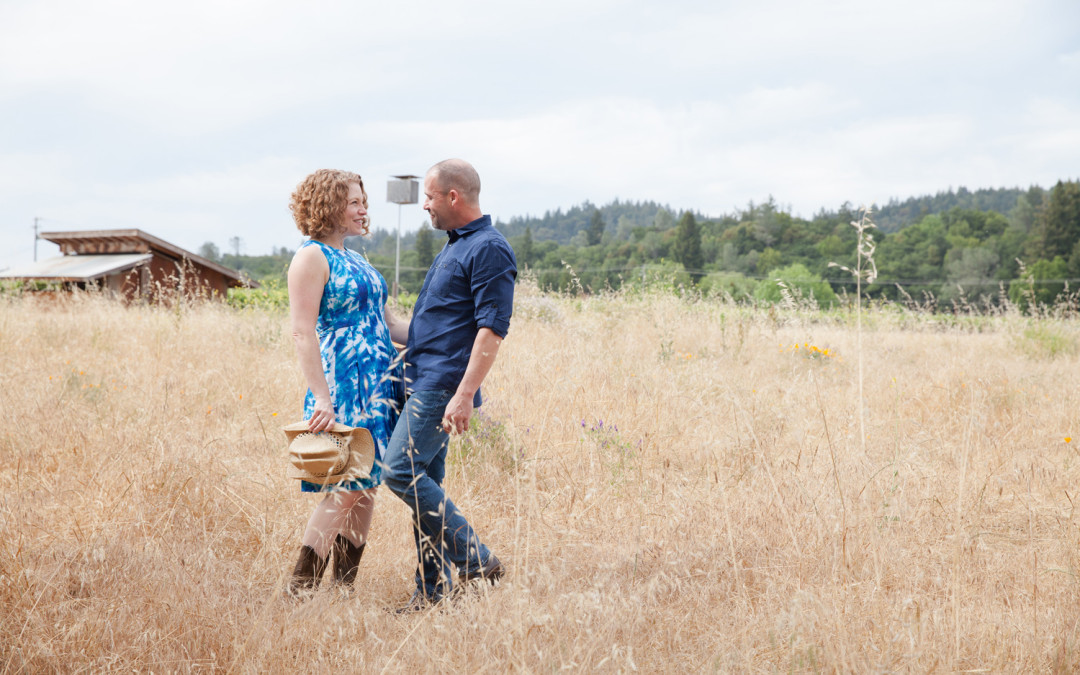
{"points": [[665, 276], [425, 247], [769, 260], [686, 248], [1046, 339], [799, 282], [523, 248], [561, 226], [731, 285], [258, 267], [898, 214], [595, 233], [1058, 229], [16, 287], [403, 303], [1042, 284], [969, 271], [957, 246], [272, 295]]}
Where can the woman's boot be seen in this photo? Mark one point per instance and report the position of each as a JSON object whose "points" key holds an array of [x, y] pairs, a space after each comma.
{"points": [[307, 573], [346, 560]]}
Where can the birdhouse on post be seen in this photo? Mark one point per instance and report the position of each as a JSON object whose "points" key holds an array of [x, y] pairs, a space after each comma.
{"points": [[400, 190], [403, 190]]}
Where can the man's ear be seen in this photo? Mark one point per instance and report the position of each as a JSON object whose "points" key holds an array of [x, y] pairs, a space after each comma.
{"points": [[452, 196]]}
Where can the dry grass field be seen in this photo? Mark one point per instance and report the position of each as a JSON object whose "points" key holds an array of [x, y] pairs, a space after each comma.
{"points": [[673, 484]]}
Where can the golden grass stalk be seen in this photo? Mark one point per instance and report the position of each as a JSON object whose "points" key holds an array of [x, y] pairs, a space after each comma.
{"points": [[865, 268]]}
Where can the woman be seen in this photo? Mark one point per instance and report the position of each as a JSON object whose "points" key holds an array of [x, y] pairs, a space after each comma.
{"points": [[343, 333]]}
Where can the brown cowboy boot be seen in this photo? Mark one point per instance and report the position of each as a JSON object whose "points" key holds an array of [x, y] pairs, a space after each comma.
{"points": [[346, 560], [307, 573]]}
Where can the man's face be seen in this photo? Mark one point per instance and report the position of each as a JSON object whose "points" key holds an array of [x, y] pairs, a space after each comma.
{"points": [[437, 204]]}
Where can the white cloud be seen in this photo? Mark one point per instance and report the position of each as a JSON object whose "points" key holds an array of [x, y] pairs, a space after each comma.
{"points": [[195, 120], [187, 209], [1071, 60], [1051, 132], [697, 155], [849, 34]]}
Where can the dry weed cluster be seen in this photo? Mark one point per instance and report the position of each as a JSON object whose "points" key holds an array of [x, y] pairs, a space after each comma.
{"points": [[672, 484]]}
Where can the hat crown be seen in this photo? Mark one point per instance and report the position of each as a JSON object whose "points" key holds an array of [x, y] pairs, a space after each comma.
{"points": [[320, 454], [338, 453]]}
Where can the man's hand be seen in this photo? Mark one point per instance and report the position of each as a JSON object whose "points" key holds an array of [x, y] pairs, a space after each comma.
{"points": [[456, 416], [459, 409]]}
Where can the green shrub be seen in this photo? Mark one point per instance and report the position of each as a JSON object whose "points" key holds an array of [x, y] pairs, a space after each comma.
{"points": [[798, 281], [727, 284], [272, 295]]}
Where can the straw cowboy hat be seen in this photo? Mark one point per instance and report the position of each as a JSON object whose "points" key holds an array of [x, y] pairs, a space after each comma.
{"points": [[336, 454]]}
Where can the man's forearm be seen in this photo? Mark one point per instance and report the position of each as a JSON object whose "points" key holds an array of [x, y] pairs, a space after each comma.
{"points": [[485, 349]]}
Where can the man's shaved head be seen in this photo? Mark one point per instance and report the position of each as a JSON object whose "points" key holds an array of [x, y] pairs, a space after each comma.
{"points": [[457, 174]]}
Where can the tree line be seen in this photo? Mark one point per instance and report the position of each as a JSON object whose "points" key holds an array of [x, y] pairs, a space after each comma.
{"points": [[955, 246], [958, 246]]}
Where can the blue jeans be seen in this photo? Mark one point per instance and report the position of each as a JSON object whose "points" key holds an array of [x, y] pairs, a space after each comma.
{"points": [[414, 467]]}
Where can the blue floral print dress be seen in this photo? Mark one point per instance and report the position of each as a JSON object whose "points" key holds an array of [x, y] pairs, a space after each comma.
{"points": [[361, 364]]}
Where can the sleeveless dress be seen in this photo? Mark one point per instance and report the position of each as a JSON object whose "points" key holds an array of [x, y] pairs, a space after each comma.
{"points": [[362, 366]]}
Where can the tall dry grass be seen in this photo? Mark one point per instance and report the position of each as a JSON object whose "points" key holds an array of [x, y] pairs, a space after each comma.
{"points": [[673, 485]]}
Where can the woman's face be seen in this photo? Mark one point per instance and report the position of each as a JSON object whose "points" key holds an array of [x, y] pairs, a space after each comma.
{"points": [[354, 220]]}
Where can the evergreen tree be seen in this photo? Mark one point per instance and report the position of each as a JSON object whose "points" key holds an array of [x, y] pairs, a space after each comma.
{"points": [[686, 248], [526, 248], [663, 220], [425, 248], [1059, 224], [595, 232]]}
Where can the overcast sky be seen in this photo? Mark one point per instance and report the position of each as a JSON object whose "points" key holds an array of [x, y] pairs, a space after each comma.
{"points": [[195, 120]]}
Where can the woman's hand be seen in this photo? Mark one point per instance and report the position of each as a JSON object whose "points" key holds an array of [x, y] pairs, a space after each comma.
{"points": [[322, 415]]}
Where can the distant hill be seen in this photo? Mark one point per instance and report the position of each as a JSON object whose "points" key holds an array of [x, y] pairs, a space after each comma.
{"points": [[561, 226], [899, 214], [620, 217]]}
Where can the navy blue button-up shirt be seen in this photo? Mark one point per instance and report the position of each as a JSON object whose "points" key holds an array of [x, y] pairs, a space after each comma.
{"points": [[470, 286]]}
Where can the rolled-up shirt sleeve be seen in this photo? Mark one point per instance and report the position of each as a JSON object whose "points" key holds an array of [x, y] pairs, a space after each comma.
{"points": [[493, 274]]}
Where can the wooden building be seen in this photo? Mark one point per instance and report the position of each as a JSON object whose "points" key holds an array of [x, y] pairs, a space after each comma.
{"points": [[131, 264]]}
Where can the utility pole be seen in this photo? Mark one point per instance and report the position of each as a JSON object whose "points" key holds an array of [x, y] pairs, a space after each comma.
{"points": [[397, 254], [36, 219]]}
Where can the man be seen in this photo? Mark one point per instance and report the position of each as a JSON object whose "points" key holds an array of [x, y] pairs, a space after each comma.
{"points": [[460, 318]]}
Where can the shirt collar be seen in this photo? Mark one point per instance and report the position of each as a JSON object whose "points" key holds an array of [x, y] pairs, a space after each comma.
{"points": [[466, 230]]}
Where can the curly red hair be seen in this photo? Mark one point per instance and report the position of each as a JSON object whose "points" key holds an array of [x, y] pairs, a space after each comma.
{"points": [[318, 202]]}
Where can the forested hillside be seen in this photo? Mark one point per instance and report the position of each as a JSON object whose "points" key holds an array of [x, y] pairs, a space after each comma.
{"points": [[955, 246], [897, 214]]}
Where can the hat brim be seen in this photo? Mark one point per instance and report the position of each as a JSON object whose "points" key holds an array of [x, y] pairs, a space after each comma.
{"points": [[296, 428]]}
